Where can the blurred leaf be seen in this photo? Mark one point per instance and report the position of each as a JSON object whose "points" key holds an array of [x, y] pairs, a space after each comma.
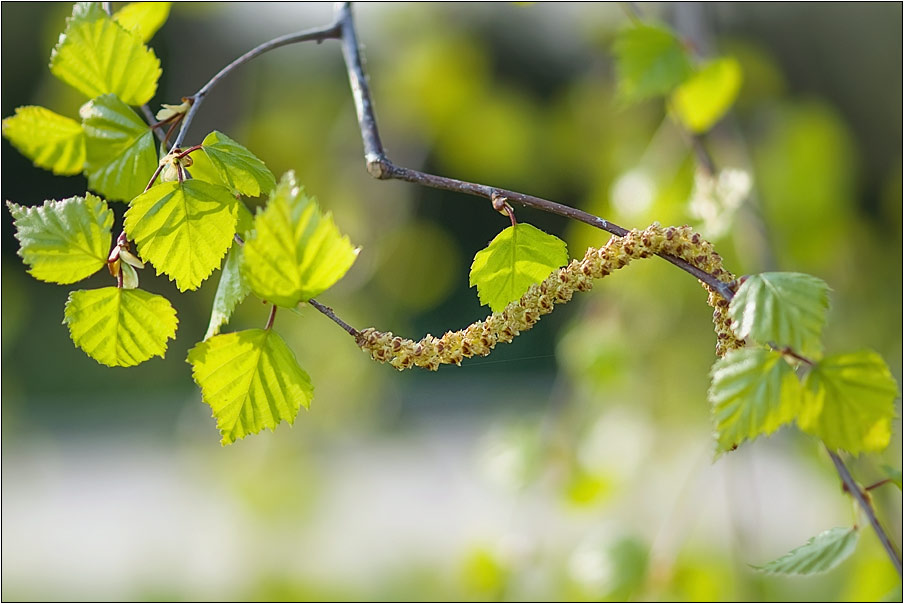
{"points": [[484, 575], [251, 380], [821, 553], [515, 259], [143, 18], [96, 56], [226, 162], [64, 241], [419, 265], [894, 475], [705, 97], [295, 252], [50, 140], [231, 290], [784, 309], [121, 155], [849, 402], [754, 391], [120, 327], [650, 61], [183, 229]]}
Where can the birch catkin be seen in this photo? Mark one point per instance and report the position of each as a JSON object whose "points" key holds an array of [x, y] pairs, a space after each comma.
{"points": [[479, 339]]}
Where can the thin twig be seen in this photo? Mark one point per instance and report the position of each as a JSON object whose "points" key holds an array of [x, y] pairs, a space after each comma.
{"points": [[326, 310], [381, 167], [318, 34], [851, 486]]}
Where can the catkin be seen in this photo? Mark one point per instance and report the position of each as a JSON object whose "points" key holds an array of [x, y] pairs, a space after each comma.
{"points": [[478, 339]]}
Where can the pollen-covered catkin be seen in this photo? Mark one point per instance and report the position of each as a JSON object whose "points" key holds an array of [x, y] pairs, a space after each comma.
{"points": [[478, 339]]}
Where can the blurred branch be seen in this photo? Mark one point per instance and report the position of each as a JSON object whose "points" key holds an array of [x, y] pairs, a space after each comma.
{"points": [[381, 167], [851, 486]]}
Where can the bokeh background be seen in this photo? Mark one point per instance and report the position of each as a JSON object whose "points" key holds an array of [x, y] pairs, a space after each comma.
{"points": [[576, 462]]}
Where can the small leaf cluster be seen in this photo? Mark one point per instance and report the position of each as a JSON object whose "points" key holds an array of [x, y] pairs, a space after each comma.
{"points": [[845, 400], [185, 213], [652, 61]]}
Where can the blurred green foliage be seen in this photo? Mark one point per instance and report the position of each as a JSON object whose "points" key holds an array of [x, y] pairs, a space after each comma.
{"points": [[573, 463]]}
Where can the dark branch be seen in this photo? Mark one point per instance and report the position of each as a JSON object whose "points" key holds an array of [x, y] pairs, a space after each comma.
{"points": [[318, 34], [326, 310], [381, 167], [851, 486]]}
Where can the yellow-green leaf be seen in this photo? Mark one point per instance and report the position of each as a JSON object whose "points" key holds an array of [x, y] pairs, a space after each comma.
{"points": [[515, 259], [143, 18], [849, 402], [706, 96], [183, 229], [120, 327], [295, 252], [650, 61], [97, 56], [121, 154], [821, 553], [753, 392], [251, 381], [64, 241], [48, 139], [231, 290], [226, 162], [782, 309]]}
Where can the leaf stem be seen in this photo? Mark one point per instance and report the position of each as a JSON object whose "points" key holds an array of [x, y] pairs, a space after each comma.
{"points": [[271, 318], [878, 484], [154, 177], [851, 486], [188, 151]]}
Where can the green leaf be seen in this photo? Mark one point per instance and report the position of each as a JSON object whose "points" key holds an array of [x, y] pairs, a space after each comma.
{"points": [[784, 309], [120, 327], [295, 252], [226, 162], [64, 241], [97, 56], [849, 402], [754, 391], [251, 381], [231, 290], [143, 18], [703, 99], [48, 139], [183, 229], [893, 474], [515, 259], [650, 61], [121, 155], [821, 553]]}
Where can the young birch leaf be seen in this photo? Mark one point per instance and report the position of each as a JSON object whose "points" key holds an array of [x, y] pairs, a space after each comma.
{"points": [[784, 309], [231, 290], [121, 155], [893, 475], [294, 252], [120, 327], [849, 402], [226, 162], [754, 391], [251, 381], [183, 229], [706, 96], [50, 140], [64, 241], [515, 259], [97, 56], [143, 18], [650, 61], [821, 553]]}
